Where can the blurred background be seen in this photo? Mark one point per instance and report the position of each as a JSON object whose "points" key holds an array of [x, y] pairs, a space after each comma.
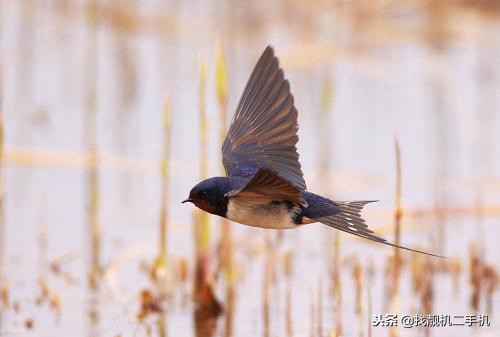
{"points": [[112, 110]]}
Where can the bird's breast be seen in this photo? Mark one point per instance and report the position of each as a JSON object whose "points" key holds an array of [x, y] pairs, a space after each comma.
{"points": [[272, 215]]}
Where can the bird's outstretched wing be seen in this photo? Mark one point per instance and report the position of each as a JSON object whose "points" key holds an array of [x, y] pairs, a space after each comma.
{"points": [[264, 187], [263, 134]]}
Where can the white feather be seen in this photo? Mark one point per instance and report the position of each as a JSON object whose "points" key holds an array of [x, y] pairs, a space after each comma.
{"points": [[276, 216]]}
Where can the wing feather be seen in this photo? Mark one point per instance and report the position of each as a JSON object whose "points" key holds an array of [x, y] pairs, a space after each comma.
{"points": [[263, 134], [267, 185]]}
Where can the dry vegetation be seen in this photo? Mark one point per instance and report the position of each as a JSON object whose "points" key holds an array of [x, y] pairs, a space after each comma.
{"points": [[210, 282]]}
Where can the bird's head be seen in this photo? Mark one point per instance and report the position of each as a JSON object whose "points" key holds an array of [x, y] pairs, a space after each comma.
{"points": [[208, 195]]}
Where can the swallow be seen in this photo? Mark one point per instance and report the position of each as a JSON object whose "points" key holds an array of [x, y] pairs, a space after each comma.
{"points": [[264, 185]]}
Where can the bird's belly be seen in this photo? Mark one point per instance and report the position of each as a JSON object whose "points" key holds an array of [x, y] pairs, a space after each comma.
{"points": [[276, 216]]}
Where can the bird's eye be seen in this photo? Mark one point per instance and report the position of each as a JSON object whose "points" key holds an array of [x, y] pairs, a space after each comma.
{"points": [[203, 192]]}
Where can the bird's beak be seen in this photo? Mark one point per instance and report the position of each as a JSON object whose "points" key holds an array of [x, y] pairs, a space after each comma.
{"points": [[187, 200]]}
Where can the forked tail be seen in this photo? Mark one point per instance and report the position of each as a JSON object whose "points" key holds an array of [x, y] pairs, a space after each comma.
{"points": [[346, 216]]}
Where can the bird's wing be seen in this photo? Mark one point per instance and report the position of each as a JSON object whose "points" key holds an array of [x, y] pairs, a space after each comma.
{"points": [[263, 133], [264, 187]]}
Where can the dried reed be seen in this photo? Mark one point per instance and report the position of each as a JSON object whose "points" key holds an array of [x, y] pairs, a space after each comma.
{"points": [[337, 286], [266, 284], [398, 214], [476, 265], [2, 186], [208, 308], [94, 229], [202, 225], [226, 243], [159, 269], [370, 271], [288, 310], [221, 86]]}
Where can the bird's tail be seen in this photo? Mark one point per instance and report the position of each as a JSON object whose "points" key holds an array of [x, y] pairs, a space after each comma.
{"points": [[348, 219]]}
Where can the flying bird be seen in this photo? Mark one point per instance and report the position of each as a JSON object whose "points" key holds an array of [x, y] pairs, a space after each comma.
{"points": [[264, 186]]}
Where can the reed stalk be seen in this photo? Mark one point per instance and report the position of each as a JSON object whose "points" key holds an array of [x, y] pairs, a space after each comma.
{"points": [[202, 224], [288, 310], [4, 286], [2, 185], [203, 293], [324, 141], [337, 286], [358, 281], [491, 283], [221, 86], [226, 243], [126, 83], [161, 325], [94, 229], [266, 284], [398, 214], [475, 265], [161, 260], [327, 97], [324, 145], [370, 272], [42, 239]]}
